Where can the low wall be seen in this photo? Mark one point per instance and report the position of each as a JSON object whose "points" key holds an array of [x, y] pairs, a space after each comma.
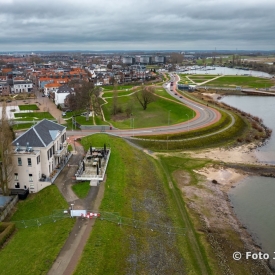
{"points": [[8, 208]]}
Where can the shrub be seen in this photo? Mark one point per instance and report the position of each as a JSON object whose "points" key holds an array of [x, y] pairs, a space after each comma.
{"points": [[6, 229]]}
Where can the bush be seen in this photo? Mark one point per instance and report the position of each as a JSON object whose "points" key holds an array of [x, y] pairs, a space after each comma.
{"points": [[6, 229]]}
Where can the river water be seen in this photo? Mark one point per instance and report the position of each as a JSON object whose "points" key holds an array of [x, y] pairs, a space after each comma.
{"points": [[253, 198]]}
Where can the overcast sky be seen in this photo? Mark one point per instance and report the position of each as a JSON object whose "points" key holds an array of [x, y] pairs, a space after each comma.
{"points": [[137, 24]]}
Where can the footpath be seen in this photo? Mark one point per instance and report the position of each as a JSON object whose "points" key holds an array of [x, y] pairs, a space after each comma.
{"points": [[70, 254]]}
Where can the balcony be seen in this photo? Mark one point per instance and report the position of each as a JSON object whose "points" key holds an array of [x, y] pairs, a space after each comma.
{"points": [[62, 150]]}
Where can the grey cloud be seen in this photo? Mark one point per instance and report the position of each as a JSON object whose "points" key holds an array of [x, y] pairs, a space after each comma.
{"points": [[173, 24]]}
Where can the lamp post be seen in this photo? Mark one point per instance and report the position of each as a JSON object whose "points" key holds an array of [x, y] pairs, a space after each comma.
{"points": [[133, 125], [72, 207], [188, 121]]}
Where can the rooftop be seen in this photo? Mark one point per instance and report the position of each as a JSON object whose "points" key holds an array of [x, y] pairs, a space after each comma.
{"points": [[40, 135]]}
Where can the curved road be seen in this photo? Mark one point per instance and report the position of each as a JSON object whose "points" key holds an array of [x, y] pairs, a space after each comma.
{"points": [[204, 117]]}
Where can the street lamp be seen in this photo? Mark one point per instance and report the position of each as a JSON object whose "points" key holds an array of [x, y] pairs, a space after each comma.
{"points": [[72, 207], [169, 117], [188, 121]]}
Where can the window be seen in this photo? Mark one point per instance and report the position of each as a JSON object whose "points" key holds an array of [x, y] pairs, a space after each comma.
{"points": [[38, 159], [19, 162], [30, 178], [15, 176], [29, 162]]}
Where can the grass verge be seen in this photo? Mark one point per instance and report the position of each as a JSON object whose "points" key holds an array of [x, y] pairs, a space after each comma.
{"points": [[81, 189], [226, 137], [33, 250]]}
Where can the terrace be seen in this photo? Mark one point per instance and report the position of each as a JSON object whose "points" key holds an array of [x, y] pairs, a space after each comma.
{"points": [[94, 164]]}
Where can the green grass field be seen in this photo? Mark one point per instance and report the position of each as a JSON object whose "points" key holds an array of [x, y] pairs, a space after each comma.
{"points": [[243, 81], [141, 194], [28, 107], [81, 189], [82, 120], [119, 93], [22, 126], [33, 116], [33, 250], [119, 87], [158, 113], [228, 81]]}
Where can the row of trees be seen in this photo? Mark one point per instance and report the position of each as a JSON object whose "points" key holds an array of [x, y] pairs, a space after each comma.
{"points": [[6, 163]]}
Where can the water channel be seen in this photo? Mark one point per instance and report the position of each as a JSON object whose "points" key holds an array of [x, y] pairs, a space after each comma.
{"points": [[253, 198]]}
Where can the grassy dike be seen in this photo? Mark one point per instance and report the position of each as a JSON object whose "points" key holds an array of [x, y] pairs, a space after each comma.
{"points": [[195, 139], [137, 187], [33, 250]]}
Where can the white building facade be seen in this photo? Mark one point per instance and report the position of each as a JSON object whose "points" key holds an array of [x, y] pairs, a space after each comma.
{"points": [[38, 153], [61, 94], [22, 86]]}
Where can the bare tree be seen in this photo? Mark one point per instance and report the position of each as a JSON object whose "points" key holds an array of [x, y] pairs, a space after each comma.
{"points": [[115, 104], [145, 96], [6, 163], [176, 58]]}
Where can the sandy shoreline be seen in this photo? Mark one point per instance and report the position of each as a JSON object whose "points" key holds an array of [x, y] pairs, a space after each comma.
{"points": [[210, 200]]}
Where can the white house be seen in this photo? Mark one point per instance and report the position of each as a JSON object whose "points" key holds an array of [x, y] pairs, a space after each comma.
{"points": [[20, 86], [37, 153], [61, 94], [51, 88]]}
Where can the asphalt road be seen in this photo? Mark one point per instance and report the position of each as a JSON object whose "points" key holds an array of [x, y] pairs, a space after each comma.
{"points": [[204, 117]]}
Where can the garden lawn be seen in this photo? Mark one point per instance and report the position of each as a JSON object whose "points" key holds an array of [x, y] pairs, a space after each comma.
{"points": [[33, 250], [22, 126], [158, 113], [28, 107], [33, 116]]}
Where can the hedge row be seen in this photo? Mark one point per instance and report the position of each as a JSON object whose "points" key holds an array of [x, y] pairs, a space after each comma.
{"points": [[6, 229]]}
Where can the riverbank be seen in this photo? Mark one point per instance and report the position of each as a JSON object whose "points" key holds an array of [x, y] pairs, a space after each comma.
{"points": [[209, 200]]}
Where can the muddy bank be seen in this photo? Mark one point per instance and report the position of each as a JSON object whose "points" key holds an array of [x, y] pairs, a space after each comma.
{"points": [[208, 202]]}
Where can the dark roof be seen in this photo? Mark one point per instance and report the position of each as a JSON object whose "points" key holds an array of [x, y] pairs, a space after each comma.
{"points": [[40, 135], [65, 89]]}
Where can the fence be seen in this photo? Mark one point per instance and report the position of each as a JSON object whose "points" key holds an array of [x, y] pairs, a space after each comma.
{"points": [[104, 216]]}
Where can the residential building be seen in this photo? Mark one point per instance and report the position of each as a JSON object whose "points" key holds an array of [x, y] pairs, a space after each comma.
{"points": [[37, 153], [62, 93], [22, 86], [51, 88]]}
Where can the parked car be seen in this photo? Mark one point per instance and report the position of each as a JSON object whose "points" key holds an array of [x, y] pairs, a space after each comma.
{"points": [[43, 95], [64, 114]]}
